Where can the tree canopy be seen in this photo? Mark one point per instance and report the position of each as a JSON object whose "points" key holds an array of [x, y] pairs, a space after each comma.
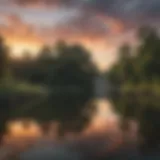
{"points": [[143, 64]]}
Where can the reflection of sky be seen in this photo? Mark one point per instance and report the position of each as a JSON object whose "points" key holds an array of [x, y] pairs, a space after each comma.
{"points": [[104, 118]]}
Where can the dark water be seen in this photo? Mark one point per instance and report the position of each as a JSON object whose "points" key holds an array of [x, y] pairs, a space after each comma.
{"points": [[67, 109], [143, 110]]}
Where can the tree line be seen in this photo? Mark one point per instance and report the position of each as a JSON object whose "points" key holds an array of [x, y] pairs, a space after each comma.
{"points": [[140, 64]]}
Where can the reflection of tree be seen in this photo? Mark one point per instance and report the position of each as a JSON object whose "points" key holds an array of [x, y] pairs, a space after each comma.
{"points": [[151, 129]]}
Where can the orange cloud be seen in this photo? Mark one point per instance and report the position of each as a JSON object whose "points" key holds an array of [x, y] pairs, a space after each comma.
{"points": [[17, 33]]}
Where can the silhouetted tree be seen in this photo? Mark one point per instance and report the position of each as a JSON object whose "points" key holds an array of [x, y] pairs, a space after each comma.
{"points": [[3, 58], [137, 76], [144, 65], [71, 81], [34, 70], [122, 70]]}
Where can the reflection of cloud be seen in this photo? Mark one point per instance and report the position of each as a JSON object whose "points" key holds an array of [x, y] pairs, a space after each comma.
{"points": [[127, 8]]}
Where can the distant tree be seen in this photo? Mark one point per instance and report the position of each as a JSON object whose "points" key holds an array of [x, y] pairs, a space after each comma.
{"points": [[34, 70], [125, 52], [27, 56], [45, 53]]}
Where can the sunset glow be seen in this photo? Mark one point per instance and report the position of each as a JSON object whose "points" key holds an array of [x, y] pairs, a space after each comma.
{"points": [[17, 129], [104, 119], [98, 25]]}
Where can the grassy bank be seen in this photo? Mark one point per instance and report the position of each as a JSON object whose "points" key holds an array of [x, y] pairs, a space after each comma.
{"points": [[142, 88], [21, 87]]}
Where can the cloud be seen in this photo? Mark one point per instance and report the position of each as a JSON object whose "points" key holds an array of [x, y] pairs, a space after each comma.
{"points": [[132, 11], [84, 26], [16, 32], [90, 31], [117, 8], [126, 8], [97, 24], [114, 7], [45, 3], [36, 3]]}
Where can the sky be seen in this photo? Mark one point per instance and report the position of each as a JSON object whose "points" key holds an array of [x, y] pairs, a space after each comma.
{"points": [[99, 25]]}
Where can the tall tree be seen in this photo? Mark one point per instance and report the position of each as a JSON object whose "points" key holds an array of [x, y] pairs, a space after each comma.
{"points": [[144, 65], [3, 58], [122, 70]]}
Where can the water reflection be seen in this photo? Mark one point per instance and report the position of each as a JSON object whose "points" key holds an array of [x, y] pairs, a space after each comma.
{"points": [[145, 110], [22, 129], [102, 118], [103, 130]]}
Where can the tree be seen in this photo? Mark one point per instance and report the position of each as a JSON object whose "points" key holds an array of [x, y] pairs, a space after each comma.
{"points": [[3, 58], [71, 81], [148, 53], [144, 65], [34, 70], [122, 70], [137, 74], [45, 54], [42, 65]]}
